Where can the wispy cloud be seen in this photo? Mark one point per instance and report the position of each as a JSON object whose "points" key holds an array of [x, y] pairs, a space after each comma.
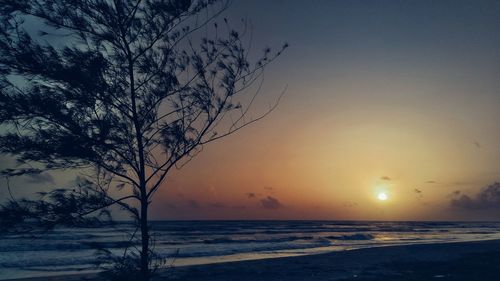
{"points": [[170, 206], [477, 144], [419, 193], [217, 205], [250, 195], [350, 204], [193, 204]]}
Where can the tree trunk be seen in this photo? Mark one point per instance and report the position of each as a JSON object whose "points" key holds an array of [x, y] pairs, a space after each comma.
{"points": [[144, 240]]}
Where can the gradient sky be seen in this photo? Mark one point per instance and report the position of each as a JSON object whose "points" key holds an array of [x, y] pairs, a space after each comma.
{"points": [[394, 96]]}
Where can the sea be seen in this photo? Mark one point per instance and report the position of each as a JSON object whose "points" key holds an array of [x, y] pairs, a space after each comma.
{"points": [[180, 243]]}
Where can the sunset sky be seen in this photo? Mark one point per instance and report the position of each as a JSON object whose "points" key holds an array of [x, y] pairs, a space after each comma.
{"points": [[393, 97]]}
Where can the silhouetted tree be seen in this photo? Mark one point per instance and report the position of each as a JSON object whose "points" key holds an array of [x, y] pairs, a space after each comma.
{"points": [[128, 90]]}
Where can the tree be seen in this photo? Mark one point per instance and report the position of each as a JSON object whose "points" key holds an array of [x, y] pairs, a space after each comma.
{"points": [[129, 91]]}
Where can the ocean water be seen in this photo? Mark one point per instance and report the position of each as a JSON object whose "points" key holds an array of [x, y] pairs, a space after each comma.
{"points": [[73, 250]]}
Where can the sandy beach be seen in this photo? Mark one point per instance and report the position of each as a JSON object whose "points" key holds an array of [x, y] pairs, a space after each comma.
{"points": [[221, 140], [446, 261]]}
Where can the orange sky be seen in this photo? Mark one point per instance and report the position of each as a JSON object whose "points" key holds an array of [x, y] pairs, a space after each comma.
{"points": [[399, 96], [405, 92], [332, 168]]}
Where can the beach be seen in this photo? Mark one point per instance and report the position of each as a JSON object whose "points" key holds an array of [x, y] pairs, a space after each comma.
{"points": [[477, 260], [221, 140]]}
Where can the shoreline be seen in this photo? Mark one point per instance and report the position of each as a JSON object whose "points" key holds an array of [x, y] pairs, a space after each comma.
{"points": [[376, 262]]}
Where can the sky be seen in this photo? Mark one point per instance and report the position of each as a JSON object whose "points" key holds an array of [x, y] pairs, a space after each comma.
{"points": [[393, 97]]}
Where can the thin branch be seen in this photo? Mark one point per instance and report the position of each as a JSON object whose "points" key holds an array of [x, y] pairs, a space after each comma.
{"points": [[235, 129]]}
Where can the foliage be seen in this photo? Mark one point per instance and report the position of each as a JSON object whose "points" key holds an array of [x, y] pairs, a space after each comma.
{"points": [[129, 90], [59, 206]]}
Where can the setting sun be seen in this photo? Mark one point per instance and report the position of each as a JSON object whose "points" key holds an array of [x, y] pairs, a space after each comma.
{"points": [[382, 196], [216, 140]]}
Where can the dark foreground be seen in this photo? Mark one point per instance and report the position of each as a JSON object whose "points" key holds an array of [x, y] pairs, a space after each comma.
{"points": [[451, 261]]}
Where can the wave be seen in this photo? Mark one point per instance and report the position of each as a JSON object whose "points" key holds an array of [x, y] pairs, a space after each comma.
{"points": [[268, 240], [81, 245], [72, 258], [255, 249], [357, 236], [47, 261], [70, 248]]}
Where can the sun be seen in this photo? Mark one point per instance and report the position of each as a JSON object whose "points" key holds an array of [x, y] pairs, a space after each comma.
{"points": [[382, 196]]}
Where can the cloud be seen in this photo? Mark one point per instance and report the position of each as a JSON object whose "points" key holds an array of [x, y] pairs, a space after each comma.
{"points": [[271, 203], [385, 178], [217, 205], [40, 178], [350, 204], [487, 198], [431, 182], [170, 206], [194, 204], [250, 195], [477, 144], [418, 192]]}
